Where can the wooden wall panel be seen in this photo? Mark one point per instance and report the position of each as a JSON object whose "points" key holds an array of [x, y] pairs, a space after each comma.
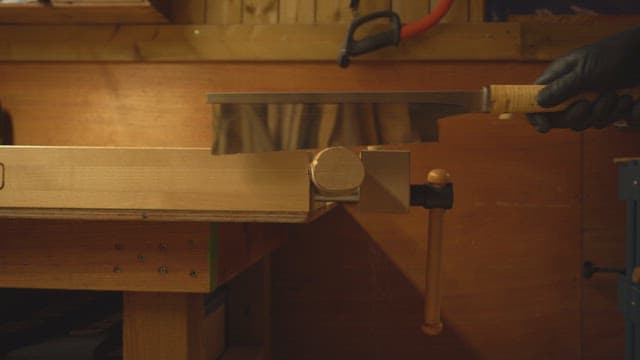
{"points": [[410, 10], [297, 11], [165, 104], [333, 11], [224, 12], [476, 10], [260, 11], [370, 6], [458, 13], [188, 12]]}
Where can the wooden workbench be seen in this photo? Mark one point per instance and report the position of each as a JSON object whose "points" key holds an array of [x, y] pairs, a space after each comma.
{"points": [[165, 226]]}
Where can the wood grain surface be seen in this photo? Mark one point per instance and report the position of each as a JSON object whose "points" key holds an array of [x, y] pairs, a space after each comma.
{"points": [[174, 184], [411, 10], [102, 255], [80, 12], [169, 326], [512, 242]]}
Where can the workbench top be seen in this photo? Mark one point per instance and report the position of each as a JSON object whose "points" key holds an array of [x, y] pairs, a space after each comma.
{"points": [[156, 184]]}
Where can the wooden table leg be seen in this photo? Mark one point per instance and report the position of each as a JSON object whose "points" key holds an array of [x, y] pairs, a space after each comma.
{"points": [[171, 326]]}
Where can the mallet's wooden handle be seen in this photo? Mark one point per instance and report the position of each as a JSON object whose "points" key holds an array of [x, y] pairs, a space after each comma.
{"points": [[522, 99], [433, 296]]}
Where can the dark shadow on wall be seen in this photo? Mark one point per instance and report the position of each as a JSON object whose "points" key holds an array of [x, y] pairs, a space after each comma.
{"points": [[6, 128], [336, 295]]}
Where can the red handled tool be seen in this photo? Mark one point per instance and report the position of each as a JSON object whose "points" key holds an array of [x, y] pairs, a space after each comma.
{"points": [[391, 37]]}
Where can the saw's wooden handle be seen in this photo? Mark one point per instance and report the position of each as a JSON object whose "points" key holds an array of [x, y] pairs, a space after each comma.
{"points": [[432, 324], [522, 99]]}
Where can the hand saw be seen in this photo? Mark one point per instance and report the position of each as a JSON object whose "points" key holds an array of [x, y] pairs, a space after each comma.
{"points": [[299, 120]]}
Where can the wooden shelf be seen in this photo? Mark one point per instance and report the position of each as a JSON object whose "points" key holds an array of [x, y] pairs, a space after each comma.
{"points": [[77, 12], [297, 42]]}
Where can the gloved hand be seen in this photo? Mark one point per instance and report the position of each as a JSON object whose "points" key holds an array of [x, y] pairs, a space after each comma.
{"points": [[610, 64]]}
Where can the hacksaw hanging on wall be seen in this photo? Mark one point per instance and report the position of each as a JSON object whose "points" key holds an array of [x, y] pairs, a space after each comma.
{"points": [[272, 127]]}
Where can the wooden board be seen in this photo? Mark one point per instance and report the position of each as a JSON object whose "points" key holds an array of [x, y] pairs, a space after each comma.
{"points": [[411, 10], [368, 7], [260, 12], [129, 255], [169, 326], [153, 184], [315, 42], [107, 255], [188, 11], [224, 12], [477, 10], [458, 12], [65, 12], [332, 12], [97, 2], [297, 11], [305, 42], [551, 40]]}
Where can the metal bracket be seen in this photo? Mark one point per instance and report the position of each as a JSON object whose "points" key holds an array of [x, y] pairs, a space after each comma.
{"points": [[431, 197], [629, 180], [1, 176], [629, 299], [348, 198]]}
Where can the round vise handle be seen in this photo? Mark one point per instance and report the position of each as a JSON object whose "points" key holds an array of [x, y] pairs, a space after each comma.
{"points": [[336, 171], [432, 324]]}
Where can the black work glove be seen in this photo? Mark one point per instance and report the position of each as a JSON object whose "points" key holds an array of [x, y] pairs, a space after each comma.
{"points": [[610, 64]]}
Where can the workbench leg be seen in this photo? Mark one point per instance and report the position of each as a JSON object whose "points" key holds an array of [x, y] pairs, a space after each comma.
{"points": [[170, 326]]}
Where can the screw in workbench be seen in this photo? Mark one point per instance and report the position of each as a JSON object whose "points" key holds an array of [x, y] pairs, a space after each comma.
{"points": [[193, 274], [140, 257], [163, 269], [117, 269]]}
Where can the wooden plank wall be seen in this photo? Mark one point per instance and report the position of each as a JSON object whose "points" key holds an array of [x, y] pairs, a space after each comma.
{"points": [[350, 285], [310, 11]]}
